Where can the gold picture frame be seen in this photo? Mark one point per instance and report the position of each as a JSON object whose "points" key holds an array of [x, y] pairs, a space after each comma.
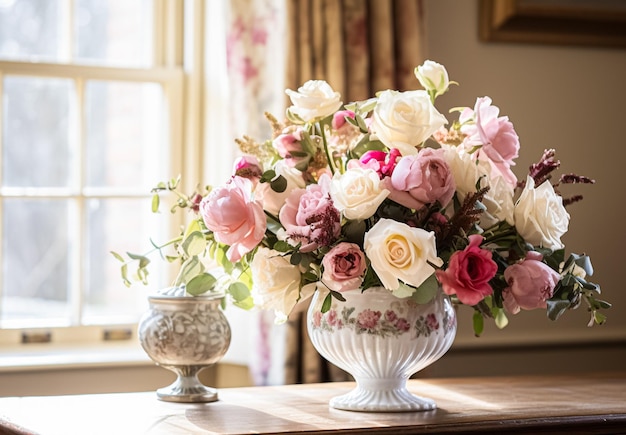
{"points": [[599, 23]]}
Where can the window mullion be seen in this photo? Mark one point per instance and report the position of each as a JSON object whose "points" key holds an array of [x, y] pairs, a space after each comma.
{"points": [[1, 187], [78, 221]]}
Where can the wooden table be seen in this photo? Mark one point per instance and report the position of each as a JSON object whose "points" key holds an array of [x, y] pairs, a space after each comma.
{"points": [[585, 404]]}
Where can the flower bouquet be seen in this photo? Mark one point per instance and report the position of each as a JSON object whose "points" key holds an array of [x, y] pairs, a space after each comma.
{"points": [[387, 193]]}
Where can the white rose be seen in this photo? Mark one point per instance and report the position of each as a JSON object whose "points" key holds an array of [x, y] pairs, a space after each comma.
{"points": [[273, 201], [404, 120], [499, 203], [357, 193], [433, 77], [400, 252], [540, 217], [466, 171], [276, 282], [314, 100]]}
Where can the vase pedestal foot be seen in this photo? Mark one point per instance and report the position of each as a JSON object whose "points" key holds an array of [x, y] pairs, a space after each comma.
{"points": [[187, 388], [385, 400]]}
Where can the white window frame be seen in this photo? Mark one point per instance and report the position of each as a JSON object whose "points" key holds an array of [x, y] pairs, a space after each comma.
{"points": [[178, 67]]}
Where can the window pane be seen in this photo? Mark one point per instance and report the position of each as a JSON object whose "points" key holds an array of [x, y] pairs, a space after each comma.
{"points": [[37, 144], [37, 266], [114, 32], [119, 225], [30, 28], [125, 135]]}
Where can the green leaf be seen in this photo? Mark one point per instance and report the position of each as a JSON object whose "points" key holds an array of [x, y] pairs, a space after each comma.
{"points": [[238, 291], [282, 246], [427, 291], [194, 243], [599, 318], [337, 295], [295, 258], [189, 269], [118, 256], [143, 260], [557, 307], [155, 203], [200, 284], [478, 323], [245, 304], [124, 271], [279, 184], [268, 176], [327, 303]]}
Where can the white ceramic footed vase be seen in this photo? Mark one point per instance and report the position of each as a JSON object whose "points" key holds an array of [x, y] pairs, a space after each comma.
{"points": [[381, 340]]}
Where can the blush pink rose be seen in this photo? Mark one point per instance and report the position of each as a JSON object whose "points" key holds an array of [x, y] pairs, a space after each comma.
{"points": [[289, 147], [469, 272], [310, 217], [344, 266], [339, 118], [235, 217], [530, 284], [422, 179], [495, 134]]}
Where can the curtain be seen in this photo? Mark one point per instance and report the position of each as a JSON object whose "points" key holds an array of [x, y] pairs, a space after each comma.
{"points": [[359, 47]]}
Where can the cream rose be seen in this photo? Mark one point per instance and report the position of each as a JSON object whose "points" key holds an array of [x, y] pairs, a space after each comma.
{"points": [[467, 171], [540, 217], [357, 193], [276, 283], [314, 100], [273, 201], [404, 120], [398, 252], [433, 77]]}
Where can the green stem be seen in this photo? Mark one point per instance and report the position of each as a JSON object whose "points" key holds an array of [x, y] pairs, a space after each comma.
{"points": [[320, 131]]}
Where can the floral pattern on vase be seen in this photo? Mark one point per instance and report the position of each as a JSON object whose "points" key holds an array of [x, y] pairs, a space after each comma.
{"points": [[381, 340]]}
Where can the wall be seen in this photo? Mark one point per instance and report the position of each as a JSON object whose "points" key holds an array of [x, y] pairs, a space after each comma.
{"points": [[571, 99]]}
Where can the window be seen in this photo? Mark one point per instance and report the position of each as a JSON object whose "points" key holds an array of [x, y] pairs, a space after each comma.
{"points": [[91, 96]]}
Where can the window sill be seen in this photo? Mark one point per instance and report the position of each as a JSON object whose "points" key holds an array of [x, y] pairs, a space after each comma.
{"points": [[56, 357]]}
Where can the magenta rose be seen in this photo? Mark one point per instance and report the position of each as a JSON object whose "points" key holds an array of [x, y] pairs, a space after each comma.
{"points": [[469, 272], [422, 179], [530, 284], [248, 167], [383, 163], [234, 217], [344, 266], [495, 134], [310, 217]]}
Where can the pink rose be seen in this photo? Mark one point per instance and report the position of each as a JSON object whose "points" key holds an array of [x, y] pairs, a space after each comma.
{"points": [[422, 179], [331, 317], [368, 319], [290, 148], [469, 272], [431, 322], [344, 266], [234, 217], [495, 135], [310, 217], [403, 325], [339, 118], [530, 283], [317, 319]]}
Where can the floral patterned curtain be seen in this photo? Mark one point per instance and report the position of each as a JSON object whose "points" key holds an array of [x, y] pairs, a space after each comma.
{"points": [[359, 47]]}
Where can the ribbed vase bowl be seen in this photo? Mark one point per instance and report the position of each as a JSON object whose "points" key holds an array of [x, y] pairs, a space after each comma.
{"points": [[381, 340], [185, 335]]}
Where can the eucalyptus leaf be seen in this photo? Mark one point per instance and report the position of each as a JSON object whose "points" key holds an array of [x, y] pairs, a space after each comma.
{"points": [[188, 270], [557, 307], [155, 203], [245, 304], [200, 284], [118, 256], [427, 291], [238, 291], [194, 243]]}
